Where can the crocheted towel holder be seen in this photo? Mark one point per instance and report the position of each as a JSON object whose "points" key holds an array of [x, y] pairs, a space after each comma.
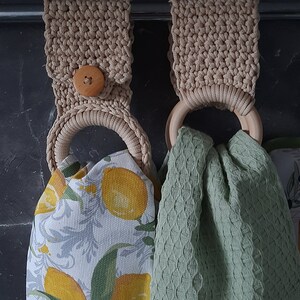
{"points": [[215, 60], [88, 48]]}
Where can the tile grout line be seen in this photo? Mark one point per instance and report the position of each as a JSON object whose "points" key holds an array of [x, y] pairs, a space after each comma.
{"points": [[15, 225]]}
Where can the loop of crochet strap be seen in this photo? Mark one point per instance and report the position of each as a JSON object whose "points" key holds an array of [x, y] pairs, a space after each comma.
{"points": [[93, 33], [118, 120], [88, 32], [220, 96], [215, 52]]}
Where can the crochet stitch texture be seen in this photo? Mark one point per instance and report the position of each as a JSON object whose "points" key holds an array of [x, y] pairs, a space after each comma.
{"points": [[214, 53], [96, 33]]}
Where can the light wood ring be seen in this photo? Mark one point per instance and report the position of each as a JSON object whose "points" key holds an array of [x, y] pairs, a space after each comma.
{"points": [[251, 123]]}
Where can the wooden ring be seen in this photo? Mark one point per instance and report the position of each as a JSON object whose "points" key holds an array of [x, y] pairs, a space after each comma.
{"points": [[251, 123]]}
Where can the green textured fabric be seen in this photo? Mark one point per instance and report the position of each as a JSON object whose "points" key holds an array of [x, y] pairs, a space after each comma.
{"points": [[224, 228]]}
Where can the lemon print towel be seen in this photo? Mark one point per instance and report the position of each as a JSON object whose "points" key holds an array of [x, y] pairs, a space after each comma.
{"points": [[93, 232]]}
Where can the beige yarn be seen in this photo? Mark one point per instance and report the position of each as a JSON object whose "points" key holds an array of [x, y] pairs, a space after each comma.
{"points": [[98, 33], [215, 52]]}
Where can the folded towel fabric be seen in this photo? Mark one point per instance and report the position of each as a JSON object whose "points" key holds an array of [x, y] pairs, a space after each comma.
{"points": [[224, 230], [93, 233], [287, 163]]}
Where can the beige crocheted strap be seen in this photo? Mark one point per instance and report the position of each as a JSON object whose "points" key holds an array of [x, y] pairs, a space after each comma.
{"points": [[88, 32], [215, 52], [94, 33]]}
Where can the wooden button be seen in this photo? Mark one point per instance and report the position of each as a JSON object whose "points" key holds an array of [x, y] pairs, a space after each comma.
{"points": [[88, 81]]}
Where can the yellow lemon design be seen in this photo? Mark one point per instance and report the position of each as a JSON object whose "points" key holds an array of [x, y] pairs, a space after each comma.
{"points": [[53, 192], [132, 287], [62, 286], [44, 249], [124, 193], [91, 189], [81, 173]]}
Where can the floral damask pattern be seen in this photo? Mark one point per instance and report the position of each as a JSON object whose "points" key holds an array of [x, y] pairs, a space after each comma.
{"points": [[93, 232]]}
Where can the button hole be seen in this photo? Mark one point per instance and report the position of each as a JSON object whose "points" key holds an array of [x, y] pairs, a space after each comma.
{"points": [[88, 80]]}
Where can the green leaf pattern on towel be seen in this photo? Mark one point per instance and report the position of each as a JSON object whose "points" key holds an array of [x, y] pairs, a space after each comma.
{"points": [[43, 295], [73, 237], [103, 280]]}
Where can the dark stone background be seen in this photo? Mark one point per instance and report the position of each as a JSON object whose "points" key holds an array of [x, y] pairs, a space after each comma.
{"points": [[27, 111]]}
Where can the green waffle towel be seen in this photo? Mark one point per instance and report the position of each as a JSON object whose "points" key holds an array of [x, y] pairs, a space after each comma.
{"points": [[224, 228]]}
